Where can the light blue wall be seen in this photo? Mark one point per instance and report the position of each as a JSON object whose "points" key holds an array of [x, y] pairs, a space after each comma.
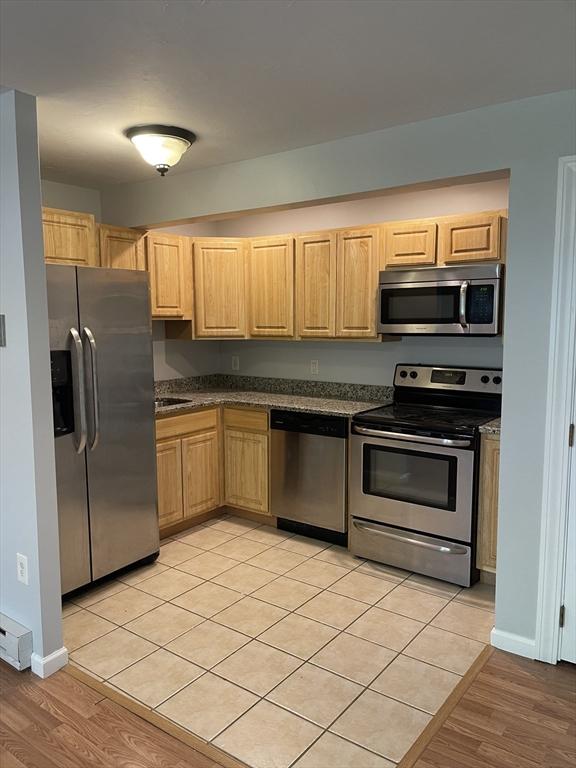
{"points": [[180, 359], [71, 198], [28, 508], [525, 136], [354, 362]]}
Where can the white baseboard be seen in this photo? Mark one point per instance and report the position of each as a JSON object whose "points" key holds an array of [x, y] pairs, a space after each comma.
{"points": [[44, 666], [508, 641]]}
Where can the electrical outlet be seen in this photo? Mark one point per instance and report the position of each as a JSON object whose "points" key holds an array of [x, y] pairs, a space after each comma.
{"points": [[314, 367], [22, 568], [235, 362]]}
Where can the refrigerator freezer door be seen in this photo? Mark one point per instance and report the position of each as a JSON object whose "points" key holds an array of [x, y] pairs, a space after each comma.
{"points": [[70, 465], [121, 457]]}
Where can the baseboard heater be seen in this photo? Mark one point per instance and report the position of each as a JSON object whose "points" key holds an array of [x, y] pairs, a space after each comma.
{"points": [[15, 643]]}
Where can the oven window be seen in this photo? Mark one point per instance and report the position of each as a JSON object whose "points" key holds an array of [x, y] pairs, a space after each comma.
{"points": [[436, 304], [412, 476]]}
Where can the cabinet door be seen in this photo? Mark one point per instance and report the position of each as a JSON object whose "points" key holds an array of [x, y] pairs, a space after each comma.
{"points": [[469, 238], [201, 467], [166, 267], [316, 285], [169, 472], [246, 470], [409, 243], [219, 288], [69, 237], [488, 502], [356, 283], [121, 248], [271, 286]]}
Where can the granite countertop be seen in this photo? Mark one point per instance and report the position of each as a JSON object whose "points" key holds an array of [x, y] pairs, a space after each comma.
{"points": [[491, 428], [329, 406]]}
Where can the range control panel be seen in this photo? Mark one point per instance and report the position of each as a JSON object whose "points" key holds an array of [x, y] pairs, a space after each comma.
{"points": [[455, 379]]}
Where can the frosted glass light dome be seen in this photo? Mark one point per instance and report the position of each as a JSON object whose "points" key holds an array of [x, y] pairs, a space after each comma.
{"points": [[160, 145]]}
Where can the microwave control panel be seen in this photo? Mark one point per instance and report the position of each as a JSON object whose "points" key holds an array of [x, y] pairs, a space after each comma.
{"points": [[480, 308]]}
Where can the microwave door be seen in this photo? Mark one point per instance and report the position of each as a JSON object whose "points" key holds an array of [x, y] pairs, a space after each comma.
{"points": [[424, 308]]}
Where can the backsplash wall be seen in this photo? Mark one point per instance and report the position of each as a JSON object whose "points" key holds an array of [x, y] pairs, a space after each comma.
{"points": [[355, 362], [181, 359]]}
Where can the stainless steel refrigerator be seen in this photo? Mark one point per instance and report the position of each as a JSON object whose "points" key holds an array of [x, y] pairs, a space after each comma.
{"points": [[103, 396]]}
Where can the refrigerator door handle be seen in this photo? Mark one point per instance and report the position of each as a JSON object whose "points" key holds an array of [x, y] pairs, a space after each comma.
{"points": [[94, 388], [79, 393]]}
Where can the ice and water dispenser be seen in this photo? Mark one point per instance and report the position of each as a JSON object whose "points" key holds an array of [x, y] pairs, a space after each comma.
{"points": [[62, 392]]}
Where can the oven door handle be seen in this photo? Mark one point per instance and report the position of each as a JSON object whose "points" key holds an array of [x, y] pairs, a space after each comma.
{"points": [[452, 549], [449, 443], [462, 305]]}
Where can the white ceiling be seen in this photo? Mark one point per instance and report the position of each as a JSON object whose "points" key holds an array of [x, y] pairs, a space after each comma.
{"points": [[253, 77]]}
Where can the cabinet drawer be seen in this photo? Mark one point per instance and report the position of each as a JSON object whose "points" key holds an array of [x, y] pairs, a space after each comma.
{"points": [[174, 426], [244, 418]]}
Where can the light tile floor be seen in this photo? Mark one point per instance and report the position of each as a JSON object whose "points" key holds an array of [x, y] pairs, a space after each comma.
{"points": [[281, 650]]}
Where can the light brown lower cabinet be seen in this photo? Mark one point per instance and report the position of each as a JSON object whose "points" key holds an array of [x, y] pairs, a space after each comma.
{"points": [[201, 473], [169, 472], [188, 466], [488, 502], [246, 459]]}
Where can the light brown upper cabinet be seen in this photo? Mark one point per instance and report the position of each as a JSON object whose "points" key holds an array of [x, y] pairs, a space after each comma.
{"points": [[219, 288], [121, 248], [477, 237], [271, 286], [356, 282], [316, 285], [170, 291], [69, 237], [409, 243]]}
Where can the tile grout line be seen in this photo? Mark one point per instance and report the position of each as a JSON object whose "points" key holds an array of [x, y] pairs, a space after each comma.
{"points": [[289, 612], [277, 576]]}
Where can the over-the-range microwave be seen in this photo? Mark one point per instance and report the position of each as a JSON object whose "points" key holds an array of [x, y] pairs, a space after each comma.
{"points": [[443, 301]]}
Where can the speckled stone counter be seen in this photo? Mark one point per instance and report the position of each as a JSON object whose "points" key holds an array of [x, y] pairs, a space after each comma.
{"points": [[325, 397], [330, 390], [333, 407], [491, 428]]}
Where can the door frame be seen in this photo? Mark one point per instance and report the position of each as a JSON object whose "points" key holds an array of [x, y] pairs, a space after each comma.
{"points": [[561, 382]]}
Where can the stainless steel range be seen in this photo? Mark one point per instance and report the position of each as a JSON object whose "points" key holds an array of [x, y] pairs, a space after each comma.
{"points": [[413, 472]]}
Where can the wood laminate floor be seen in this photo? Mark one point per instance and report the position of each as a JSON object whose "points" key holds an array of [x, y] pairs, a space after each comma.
{"points": [[62, 723], [516, 714]]}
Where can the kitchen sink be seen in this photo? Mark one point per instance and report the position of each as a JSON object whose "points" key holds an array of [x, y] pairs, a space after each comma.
{"points": [[161, 402]]}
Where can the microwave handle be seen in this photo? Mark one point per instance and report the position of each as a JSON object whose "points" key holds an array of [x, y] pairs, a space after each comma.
{"points": [[462, 304]]}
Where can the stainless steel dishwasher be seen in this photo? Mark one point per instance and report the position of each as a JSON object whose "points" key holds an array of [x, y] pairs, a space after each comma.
{"points": [[308, 469]]}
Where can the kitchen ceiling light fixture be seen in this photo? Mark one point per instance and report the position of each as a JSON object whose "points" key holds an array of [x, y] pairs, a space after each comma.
{"points": [[160, 145]]}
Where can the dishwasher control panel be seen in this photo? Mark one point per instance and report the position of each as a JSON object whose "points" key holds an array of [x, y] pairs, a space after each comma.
{"points": [[309, 423]]}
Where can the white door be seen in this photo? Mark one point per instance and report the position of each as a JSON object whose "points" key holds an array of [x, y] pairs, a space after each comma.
{"points": [[567, 650]]}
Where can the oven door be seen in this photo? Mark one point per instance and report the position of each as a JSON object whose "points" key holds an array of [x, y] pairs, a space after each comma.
{"points": [[411, 484], [451, 307]]}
